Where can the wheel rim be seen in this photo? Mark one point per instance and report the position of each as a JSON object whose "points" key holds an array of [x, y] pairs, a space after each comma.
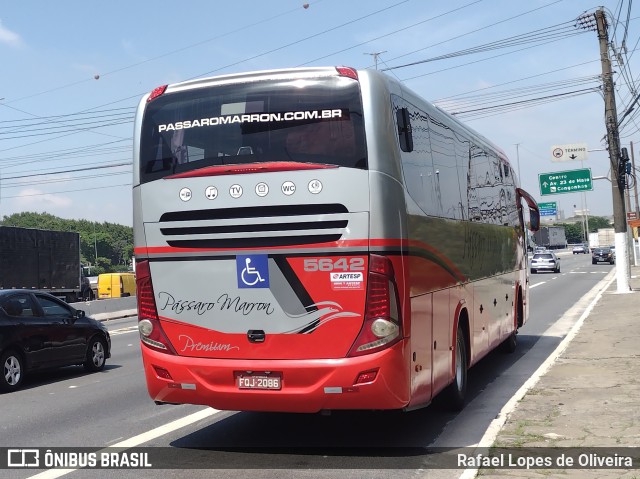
{"points": [[12, 372], [98, 354]]}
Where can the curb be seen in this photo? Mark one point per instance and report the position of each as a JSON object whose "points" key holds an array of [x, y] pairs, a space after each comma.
{"points": [[496, 425]]}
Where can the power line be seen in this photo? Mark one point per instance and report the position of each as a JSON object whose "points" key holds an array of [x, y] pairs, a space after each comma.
{"points": [[31, 175], [66, 191], [279, 48], [555, 32], [166, 54]]}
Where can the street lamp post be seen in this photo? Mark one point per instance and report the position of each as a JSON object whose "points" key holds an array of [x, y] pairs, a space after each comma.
{"points": [[95, 244]]}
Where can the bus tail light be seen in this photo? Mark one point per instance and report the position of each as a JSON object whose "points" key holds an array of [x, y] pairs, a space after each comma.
{"points": [[347, 72], [381, 326], [156, 92], [149, 327]]}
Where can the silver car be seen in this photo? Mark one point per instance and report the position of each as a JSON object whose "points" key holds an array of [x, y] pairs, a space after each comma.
{"points": [[547, 261]]}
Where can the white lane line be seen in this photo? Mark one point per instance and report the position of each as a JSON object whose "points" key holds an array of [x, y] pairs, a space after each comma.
{"points": [[139, 439], [126, 329], [537, 284]]}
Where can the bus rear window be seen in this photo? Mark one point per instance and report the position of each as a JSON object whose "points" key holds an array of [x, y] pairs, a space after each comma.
{"points": [[307, 121]]}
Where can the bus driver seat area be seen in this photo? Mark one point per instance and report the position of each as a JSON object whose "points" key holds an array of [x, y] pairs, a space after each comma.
{"points": [[324, 138]]}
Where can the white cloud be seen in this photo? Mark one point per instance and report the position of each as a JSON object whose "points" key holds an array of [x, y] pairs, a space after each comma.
{"points": [[32, 198], [10, 38]]}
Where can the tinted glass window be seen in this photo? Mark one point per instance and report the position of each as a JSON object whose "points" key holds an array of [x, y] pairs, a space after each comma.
{"points": [[18, 305], [317, 121], [543, 256], [52, 307]]}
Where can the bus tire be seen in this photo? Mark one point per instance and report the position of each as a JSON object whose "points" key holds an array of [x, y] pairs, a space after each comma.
{"points": [[457, 390], [510, 344]]}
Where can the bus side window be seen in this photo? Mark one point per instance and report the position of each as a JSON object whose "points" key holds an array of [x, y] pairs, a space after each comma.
{"points": [[404, 130]]}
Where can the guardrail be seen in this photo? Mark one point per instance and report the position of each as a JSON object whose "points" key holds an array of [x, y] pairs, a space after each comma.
{"points": [[112, 308]]}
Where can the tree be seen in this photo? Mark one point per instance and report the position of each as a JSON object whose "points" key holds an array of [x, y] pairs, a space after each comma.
{"points": [[598, 222], [111, 243], [573, 232]]}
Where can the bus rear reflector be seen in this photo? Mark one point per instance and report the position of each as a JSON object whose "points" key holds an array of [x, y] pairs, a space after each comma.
{"points": [[381, 327], [162, 373], [366, 377]]}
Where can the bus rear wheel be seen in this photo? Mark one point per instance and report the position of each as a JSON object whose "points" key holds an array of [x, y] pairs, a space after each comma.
{"points": [[457, 390]]}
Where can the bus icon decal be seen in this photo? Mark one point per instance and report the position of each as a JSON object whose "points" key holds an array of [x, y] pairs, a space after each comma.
{"points": [[252, 271]]}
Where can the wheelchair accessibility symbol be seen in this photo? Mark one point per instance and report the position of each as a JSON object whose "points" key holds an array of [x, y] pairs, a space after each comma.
{"points": [[252, 271]]}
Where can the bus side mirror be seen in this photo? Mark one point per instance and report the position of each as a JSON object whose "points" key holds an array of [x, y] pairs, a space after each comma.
{"points": [[534, 211], [534, 220]]}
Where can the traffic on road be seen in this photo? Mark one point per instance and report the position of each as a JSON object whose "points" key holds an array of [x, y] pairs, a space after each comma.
{"points": [[67, 406]]}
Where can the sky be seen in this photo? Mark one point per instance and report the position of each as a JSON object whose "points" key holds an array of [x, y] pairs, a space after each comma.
{"points": [[519, 72]]}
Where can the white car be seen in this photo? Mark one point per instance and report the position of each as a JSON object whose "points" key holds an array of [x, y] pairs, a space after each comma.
{"points": [[547, 261], [579, 249]]}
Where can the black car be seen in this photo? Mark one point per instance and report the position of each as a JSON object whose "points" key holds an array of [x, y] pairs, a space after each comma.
{"points": [[603, 255], [40, 331]]}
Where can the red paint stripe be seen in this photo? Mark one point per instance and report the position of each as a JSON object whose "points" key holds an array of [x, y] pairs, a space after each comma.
{"points": [[219, 170], [373, 242], [172, 249]]}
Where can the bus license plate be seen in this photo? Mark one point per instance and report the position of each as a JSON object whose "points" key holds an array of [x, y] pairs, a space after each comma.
{"points": [[258, 381]]}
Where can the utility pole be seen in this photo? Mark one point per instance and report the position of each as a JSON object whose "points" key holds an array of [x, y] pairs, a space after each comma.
{"points": [[518, 158], [635, 186], [613, 139], [375, 56]]}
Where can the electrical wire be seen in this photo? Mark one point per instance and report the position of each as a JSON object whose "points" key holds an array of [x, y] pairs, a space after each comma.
{"points": [[493, 109]]}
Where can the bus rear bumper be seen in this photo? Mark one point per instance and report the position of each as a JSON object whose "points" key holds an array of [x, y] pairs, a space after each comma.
{"points": [[376, 381]]}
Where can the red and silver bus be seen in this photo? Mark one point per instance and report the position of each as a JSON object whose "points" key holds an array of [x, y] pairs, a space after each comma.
{"points": [[318, 239]]}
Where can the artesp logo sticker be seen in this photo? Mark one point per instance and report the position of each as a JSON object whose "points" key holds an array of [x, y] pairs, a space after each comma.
{"points": [[347, 281], [252, 271], [346, 276]]}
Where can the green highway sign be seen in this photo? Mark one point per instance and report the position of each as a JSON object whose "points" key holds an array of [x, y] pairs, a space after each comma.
{"points": [[548, 209], [568, 181]]}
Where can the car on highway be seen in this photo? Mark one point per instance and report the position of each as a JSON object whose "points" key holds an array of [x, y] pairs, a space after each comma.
{"points": [[580, 249], [39, 331], [603, 255], [545, 261]]}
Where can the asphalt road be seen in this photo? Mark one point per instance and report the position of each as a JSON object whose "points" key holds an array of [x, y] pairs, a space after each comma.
{"points": [[72, 408]]}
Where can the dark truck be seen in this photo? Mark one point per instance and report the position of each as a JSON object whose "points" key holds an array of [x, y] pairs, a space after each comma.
{"points": [[42, 259], [550, 237]]}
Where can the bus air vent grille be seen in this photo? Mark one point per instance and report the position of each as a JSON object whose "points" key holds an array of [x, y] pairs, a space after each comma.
{"points": [[251, 227]]}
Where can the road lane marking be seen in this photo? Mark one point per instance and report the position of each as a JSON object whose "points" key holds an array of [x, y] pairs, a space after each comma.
{"points": [[128, 329], [537, 284], [137, 440]]}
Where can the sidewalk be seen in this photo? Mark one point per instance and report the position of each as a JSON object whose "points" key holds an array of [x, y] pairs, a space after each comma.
{"points": [[590, 397]]}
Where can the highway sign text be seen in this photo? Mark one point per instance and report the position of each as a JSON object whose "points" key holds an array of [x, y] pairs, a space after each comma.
{"points": [[572, 151], [565, 181]]}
